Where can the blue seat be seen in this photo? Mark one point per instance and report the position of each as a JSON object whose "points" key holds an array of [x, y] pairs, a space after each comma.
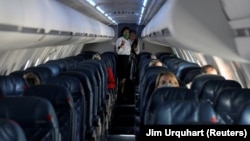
{"points": [[212, 89], [190, 75], [12, 85], [61, 64], [145, 88], [77, 59], [200, 80], [35, 115], [93, 83], [161, 55], [90, 101], [100, 72], [244, 115], [69, 62], [76, 89], [184, 68], [173, 63], [87, 54], [91, 73], [63, 104], [42, 72], [230, 102], [11, 131], [183, 112], [161, 95], [54, 68]]}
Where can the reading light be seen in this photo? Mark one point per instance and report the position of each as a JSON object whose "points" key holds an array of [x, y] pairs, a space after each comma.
{"points": [[99, 9], [91, 2], [145, 3], [142, 10]]}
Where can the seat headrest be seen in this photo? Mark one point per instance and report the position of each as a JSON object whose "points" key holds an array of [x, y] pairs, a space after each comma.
{"points": [[29, 112], [200, 80], [42, 72], [11, 131], [12, 85], [185, 112], [184, 67], [231, 100], [212, 88], [57, 95], [83, 78], [71, 83], [61, 64], [54, 69], [190, 75], [163, 94]]}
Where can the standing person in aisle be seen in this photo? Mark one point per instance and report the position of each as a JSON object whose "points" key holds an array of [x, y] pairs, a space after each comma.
{"points": [[123, 49]]}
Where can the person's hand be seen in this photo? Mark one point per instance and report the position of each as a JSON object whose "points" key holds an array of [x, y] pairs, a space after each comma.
{"points": [[123, 42], [135, 49]]}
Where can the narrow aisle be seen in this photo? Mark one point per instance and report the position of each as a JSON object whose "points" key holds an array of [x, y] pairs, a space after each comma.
{"points": [[122, 126]]}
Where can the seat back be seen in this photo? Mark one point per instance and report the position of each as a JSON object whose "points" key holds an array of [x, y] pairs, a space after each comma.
{"points": [[42, 72], [190, 75], [89, 96], [11, 131], [244, 115], [61, 64], [230, 101], [35, 115], [63, 104], [184, 112], [12, 85], [54, 68], [200, 80], [75, 88], [212, 89], [166, 94]]}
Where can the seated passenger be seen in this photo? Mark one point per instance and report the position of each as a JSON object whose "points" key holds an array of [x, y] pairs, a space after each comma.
{"points": [[111, 79], [155, 62], [31, 79], [166, 79], [208, 69]]}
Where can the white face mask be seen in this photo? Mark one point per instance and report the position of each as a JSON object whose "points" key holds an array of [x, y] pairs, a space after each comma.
{"points": [[166, 85]]}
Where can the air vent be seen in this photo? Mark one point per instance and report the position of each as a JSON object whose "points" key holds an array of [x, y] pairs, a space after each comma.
{"points": [[122, 12]]}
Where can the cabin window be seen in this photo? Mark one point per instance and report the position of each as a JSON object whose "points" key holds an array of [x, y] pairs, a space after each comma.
{"points": [[27, 65], [47, 59]]}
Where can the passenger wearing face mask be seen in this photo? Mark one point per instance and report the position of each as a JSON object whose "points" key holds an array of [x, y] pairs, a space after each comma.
{"points": [[166, 79], [123, 49]]}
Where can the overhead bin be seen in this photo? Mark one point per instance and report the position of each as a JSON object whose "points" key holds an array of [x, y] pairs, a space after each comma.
{"points": [[195, 25], [35, 23]]}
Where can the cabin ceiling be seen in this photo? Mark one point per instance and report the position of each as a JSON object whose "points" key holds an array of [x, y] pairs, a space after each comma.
{"points": [[117, 11]]}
